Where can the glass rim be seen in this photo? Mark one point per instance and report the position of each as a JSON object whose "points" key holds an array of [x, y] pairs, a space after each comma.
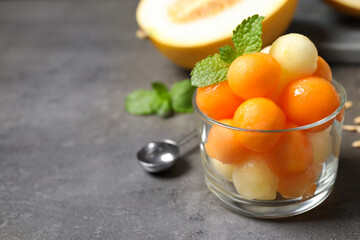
{"points": [[338, 87]]}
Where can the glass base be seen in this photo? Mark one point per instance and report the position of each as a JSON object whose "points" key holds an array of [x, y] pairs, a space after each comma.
{"points": [[268, 209]]}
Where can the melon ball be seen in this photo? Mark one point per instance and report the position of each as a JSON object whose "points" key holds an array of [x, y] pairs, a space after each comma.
{"points": [[266, 49], [322, 145], [253, 179], [296, 54], [225, 170]]}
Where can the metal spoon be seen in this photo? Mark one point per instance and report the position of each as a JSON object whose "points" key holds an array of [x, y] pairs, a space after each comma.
{"points": [[160, 156]]}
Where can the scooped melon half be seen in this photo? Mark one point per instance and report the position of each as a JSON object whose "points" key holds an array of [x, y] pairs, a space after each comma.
{"points": [[348, 7], [186, 31]]}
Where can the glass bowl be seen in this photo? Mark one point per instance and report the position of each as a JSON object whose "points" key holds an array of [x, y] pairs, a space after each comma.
{"points": [[245, 189]]}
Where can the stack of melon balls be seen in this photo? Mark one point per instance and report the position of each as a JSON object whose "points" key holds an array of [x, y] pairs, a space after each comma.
{"points": [[286, 85]]}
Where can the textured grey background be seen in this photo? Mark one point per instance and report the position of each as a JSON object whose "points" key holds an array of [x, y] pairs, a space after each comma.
{"points": [[67, 147]]}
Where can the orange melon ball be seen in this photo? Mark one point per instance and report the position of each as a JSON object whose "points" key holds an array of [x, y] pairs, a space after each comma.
{"points": [[291, 155], [323, 70], [223, 145], [303, 185], [340, 116], [275, 95], [217, 101], [309, 100], [259, 114], [254, 75]]}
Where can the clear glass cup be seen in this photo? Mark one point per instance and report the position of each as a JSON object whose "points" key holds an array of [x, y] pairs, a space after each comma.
{"points": [[284, 195]]}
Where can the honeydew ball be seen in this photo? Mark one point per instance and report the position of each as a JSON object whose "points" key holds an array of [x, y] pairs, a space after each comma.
{"points": [[296, 54], [253, 179], [266, 49], [322, 145], [225, 170]]}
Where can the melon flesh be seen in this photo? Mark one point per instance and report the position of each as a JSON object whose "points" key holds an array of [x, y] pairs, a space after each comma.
{"points": [[187, 31], [156, 19]]}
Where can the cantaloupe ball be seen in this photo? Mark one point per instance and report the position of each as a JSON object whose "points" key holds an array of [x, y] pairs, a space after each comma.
{"points": [[266, 49], [292, 154], [322, 145], [254, 180], [303, 185], [259, 114], [296, 54], [225, 170], [279, 89], [253, 75], [224, 145]]}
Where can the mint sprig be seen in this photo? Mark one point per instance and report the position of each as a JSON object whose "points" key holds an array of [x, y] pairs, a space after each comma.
{"points": [[181, 95], [227, 54], [246, 39], [160, 101], [208, 71], [247, 35]]}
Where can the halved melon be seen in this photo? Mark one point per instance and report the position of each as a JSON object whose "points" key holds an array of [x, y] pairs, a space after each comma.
{"points": [[348, 7], [187, 31]]}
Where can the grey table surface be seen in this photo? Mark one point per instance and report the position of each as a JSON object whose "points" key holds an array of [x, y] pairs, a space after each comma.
{"points": [[67, 147]]}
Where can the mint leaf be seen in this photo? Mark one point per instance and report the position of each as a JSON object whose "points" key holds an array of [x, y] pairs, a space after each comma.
{"points": [[246, 39], [247, 35], [227, 54], [209, 71], [164, 108], [142, 102], [160, 89], [181, 96], [160, 101]]}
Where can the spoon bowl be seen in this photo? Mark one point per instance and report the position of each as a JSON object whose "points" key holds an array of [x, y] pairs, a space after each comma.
{"points": [[158, 156]]}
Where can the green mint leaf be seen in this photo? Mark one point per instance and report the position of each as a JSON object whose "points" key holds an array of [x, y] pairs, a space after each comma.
{"points": [[227, 54], [145, 102], [160, 89], [209, 71], [181, 96], [247, 35], [164, 108], [142, 102]]}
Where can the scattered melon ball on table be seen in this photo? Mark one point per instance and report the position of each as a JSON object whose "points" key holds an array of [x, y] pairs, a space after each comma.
{"points": [[253, 75], [322, 145], [225, 170], [259, 114], [309, 100], [323, 69], [223, 145], [254, 180], [303, 185], [296, 54], [292, 154], [217, 101]]}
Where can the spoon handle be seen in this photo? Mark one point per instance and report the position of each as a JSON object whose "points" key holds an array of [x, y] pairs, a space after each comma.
{"points": [[188, 137]]}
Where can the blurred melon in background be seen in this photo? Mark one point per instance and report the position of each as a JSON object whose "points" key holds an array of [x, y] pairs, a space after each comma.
{"points": [[186, 31], [347, 7]]}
